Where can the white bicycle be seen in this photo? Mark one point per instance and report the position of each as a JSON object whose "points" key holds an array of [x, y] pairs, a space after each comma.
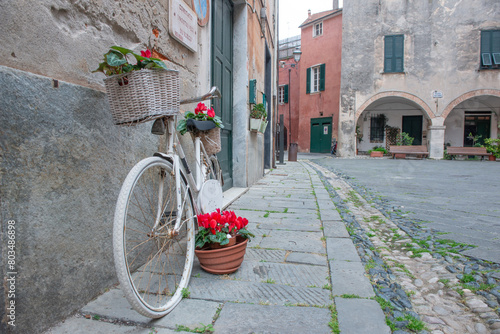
{"points": [[154, 224]]}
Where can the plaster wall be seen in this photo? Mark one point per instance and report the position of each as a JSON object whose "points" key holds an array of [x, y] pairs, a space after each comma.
{"points": [[324, 49], [441, 52]]}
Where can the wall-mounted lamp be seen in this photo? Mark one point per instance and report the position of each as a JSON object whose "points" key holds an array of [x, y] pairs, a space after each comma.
{"points": [[296, 54]]}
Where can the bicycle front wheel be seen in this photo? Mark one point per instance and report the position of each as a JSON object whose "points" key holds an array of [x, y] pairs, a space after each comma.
{"points": [[153, 262]]}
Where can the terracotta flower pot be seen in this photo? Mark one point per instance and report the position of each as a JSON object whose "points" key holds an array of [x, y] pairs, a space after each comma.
{"points": [[224, 260], [377, 154]]}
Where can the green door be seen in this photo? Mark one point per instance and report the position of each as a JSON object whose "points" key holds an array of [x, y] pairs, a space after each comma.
{"points": [[321, 135], [412, 125], [222, 77]]}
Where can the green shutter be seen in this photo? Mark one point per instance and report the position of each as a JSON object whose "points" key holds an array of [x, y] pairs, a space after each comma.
{"points": [[264, 100], [388, 53], [308, 82], [322, 77], [394, 53], [399, 50], [252, 88], [285, 94]]}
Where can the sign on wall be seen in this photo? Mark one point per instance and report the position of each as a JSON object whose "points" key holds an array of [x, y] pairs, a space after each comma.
{"points": [[182, 24]]}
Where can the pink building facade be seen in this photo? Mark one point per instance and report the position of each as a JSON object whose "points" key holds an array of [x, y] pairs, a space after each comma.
{"points": [[320, 73]]}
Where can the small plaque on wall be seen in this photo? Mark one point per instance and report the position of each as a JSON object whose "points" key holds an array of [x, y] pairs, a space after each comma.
{"points": [[182, 24]]}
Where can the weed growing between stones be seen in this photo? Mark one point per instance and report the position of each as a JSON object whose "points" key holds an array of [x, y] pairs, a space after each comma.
{"points": [[205, 329], [334, 323], [185, 293]]}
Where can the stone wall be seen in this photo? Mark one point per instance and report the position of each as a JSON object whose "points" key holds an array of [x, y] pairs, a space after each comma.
{"points": [[62, 161]]}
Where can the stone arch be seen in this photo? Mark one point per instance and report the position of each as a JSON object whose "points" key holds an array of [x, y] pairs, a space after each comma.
{"points": [[466, 96], [421, 103]]}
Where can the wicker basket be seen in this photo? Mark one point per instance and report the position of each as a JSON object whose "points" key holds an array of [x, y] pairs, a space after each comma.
{"points": [[210, 139], [144, 95]]}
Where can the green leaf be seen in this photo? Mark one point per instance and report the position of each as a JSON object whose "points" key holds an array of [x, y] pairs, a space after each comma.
{"points": [[115, 59], [160, 63], [122, 50]]}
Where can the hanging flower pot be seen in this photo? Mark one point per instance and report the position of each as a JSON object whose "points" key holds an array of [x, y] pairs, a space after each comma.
{"points": [[255, 124], [263, 126], [223, 260]]}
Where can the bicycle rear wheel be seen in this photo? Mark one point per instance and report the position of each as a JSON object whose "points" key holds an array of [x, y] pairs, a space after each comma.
{"points": [[153, 264]]}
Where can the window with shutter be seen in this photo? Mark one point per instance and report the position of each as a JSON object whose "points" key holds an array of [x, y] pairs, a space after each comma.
{"points": [[394, 53], [318, 29], [490, 49], [285, 94], [252, 94], [315, 79]]}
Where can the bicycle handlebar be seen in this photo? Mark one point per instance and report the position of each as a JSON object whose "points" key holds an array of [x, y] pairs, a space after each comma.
{"points": [[213, 93]]}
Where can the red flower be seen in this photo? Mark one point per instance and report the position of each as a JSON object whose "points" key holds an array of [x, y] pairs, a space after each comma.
{"points": [[146, 54], [210, 113], [200, 108]]}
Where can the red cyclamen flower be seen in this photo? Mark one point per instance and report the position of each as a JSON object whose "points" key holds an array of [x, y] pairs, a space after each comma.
{"points": [[211, 113], [146, 54], [200, 108]]}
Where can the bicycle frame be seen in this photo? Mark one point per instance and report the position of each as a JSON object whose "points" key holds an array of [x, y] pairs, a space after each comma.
{"points": [[175, 153]]}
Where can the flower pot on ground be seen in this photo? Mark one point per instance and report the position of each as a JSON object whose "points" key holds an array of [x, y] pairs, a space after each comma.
{"points": [[224, 260], [377, 152], [216, 232], [492, 146]]}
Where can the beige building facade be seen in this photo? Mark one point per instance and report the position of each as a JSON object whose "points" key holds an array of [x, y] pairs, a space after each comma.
{"points": [[430, 69]]}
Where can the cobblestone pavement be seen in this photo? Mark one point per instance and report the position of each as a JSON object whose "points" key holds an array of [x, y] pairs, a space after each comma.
{"points": [[301, 273], [460, 198], [429, 279]]}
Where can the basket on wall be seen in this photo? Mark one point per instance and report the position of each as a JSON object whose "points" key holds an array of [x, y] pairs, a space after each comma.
{"points": [[140, 96]]}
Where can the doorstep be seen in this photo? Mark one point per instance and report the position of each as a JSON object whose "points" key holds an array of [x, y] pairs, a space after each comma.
{"points": [[231, 195]]}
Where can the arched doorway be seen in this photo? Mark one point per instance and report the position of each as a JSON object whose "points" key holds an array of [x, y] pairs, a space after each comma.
{"points": [[385, 115], [471, 118]]}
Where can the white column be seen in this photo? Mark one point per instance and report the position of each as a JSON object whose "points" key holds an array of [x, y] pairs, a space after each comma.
{"points": [[436, 141]]}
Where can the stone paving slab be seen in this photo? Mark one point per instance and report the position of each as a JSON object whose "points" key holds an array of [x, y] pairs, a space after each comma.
{"points": [[358, 316], [293, 224], [294, 241], [113, 304], [250, 292], [243, 318], [330, 215], [349, 278], [307, 258], [335, 229], [281, 273], [341, 249], [77, 325]]}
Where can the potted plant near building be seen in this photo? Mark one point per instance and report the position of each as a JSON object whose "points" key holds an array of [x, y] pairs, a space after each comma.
{"points": [[493, 146], [257, 116], [377, 152], [221, 241]]}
